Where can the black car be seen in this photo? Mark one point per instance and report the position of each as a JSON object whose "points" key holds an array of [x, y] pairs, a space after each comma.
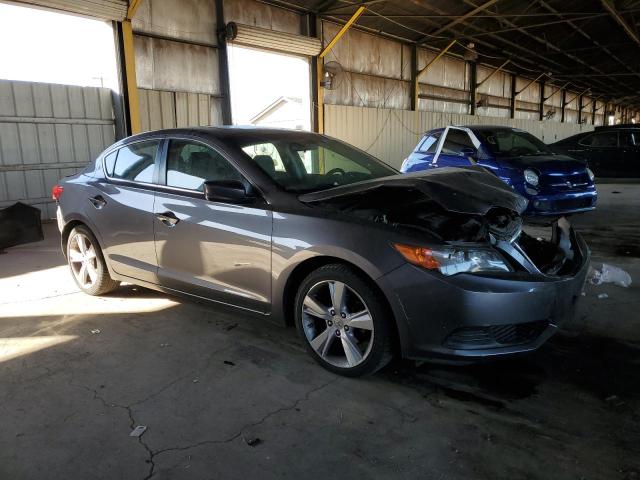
{"points": [[611, 151]]}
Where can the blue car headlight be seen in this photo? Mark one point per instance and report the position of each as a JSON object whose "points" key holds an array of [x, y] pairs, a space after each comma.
{"points": [[592, 177], [452, 260], [531, 177]]}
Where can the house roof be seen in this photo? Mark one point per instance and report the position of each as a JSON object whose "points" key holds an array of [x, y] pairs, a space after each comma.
{"points": [[273, 106]]}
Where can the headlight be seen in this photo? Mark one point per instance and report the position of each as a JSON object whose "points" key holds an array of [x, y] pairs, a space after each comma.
{"points": [[450, 261], [592, 177], [531, 177]]}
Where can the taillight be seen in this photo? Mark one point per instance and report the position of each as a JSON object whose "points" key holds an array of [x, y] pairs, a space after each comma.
{"points": [[56, 192]]}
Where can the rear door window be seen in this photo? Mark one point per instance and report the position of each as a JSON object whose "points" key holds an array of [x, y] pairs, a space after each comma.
{"points": [[602, 139], [190, 164], [630, 138], [135, 162]]}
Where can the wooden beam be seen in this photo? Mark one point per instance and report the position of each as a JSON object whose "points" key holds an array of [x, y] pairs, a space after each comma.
{"points": [[464, 17], [133, 6], [342, 31], [436, 58], [493, 73], [608, 5]]}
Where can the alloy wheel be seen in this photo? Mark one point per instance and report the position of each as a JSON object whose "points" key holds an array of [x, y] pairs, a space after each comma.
{"points": [[83, 260], [337, 324]]}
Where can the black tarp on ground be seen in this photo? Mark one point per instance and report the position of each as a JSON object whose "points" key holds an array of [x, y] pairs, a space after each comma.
{"points": [[20, 223]]}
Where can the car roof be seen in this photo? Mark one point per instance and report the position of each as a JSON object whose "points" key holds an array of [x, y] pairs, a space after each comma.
{"points": [[617, 127], [489, 127], [226, 133]]}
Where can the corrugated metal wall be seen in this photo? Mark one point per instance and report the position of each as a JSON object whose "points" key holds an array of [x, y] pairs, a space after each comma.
{"points": [[377, 74], [104, 9], [391, 134], [177, 63], [48, 131], [164, 109]]}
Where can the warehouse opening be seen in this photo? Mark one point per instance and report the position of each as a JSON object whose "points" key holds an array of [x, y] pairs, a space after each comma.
{"points": [[269, 89], [45, 46]]}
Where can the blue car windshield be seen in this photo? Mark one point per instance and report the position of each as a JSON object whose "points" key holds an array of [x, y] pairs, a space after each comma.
{"points": [[504, 142]]}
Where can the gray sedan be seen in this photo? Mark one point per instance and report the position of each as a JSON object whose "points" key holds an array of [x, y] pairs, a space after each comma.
{"points": [[310, 231]]}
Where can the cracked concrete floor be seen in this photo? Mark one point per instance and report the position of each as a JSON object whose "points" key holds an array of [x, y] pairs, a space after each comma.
{"points": [[208, 382]]}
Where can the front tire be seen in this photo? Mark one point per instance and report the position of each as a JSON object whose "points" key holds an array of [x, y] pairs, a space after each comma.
{"points": [[87, 263], [343, 322]]}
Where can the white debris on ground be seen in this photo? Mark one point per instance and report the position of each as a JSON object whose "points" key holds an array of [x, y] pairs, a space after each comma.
{"points": [[609, 274]]}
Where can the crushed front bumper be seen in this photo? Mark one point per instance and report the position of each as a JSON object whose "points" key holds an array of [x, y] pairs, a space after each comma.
{"points": [[471, 316]]}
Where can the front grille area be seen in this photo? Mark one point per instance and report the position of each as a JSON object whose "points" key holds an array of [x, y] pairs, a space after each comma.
{"points": [[495, 336], [565, 182], [572, 203]]}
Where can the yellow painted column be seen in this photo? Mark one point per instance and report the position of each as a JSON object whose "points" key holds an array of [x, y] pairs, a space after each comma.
{"points": [[130, 73]]}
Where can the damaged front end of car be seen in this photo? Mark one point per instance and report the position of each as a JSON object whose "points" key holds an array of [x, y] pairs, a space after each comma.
{"points": [[494, 286], [456, 211]]}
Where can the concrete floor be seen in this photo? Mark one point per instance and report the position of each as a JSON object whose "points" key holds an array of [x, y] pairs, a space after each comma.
{"points": [[208, 383]]}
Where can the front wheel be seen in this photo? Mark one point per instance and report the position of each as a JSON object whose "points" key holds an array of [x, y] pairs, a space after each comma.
{"points": [[343, 323], [87, 263]]}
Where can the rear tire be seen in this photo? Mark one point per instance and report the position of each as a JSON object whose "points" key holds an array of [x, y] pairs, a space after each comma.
{"points": [[87, 264], [343, 323]]}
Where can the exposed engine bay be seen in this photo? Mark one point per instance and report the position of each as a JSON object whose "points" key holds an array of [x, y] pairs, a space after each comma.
{"points": [[539, 249]]}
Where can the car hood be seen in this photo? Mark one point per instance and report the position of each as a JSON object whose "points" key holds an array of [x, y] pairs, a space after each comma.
{"points": [[469, 190], [545, 164]]}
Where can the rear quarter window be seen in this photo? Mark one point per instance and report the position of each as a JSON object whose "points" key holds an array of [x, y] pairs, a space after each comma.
{"points": [[110, 162], [135, 162], [430, 143]]}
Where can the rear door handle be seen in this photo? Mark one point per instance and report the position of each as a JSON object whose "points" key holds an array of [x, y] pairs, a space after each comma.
{"points": [[168, 218], [98, 201]]}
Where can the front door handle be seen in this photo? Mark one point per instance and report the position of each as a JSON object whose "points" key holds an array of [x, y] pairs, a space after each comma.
{"points": [[98, 201], [168, 218]]}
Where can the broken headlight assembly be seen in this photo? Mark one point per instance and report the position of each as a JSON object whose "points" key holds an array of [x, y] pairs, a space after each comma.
{"points": [[452, 260]]}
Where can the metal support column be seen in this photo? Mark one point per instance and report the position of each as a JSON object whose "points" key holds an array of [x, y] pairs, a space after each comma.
{"points": [[415, 88], [127, 64], [593, 111], [473, 80], [311, 29], [223, 65], [580, 109], [512, 104], [133, 105], [320, 66], [563, 104], [121, 100], [541, 104]]}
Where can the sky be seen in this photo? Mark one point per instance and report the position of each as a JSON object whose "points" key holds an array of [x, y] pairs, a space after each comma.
{"points": [[43, 46], [258, 78]]}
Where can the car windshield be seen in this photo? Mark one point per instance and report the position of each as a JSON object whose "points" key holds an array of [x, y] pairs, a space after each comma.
{"points": [[311, 163], [504, 142]]}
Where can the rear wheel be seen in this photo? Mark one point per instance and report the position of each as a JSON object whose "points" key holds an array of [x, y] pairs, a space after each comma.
{"points": [[87, 263], [342, 321]]}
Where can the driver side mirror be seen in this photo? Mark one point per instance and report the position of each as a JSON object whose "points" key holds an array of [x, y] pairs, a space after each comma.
{"points": [[232, 191], [470, 153]]}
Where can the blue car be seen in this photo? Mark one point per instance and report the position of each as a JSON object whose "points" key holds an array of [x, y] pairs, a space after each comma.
{"points": [[554, 184]]}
